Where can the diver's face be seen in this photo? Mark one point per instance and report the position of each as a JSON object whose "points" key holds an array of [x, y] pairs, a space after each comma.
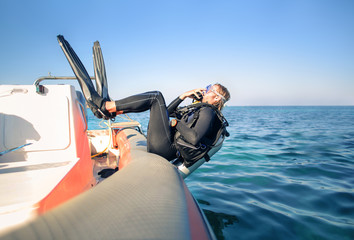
{"points": [[212, 95]]}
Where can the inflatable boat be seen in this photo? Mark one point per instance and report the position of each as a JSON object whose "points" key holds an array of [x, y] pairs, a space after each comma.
{"points": [[50, 184]]}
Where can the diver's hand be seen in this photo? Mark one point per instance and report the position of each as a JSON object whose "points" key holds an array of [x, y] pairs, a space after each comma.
{"points": [[194, 94]]}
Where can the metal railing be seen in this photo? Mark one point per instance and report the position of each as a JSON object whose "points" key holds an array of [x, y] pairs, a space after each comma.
{"points": [[40, 88]]}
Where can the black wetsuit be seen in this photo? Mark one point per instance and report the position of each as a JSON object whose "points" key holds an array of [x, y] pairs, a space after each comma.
{"points": [[160, 136]]}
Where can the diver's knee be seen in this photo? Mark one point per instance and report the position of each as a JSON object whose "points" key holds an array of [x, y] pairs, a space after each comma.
{"points": [[157, 93]]}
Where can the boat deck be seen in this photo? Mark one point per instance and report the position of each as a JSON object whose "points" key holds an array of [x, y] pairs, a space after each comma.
{"points": [[53, 126]]}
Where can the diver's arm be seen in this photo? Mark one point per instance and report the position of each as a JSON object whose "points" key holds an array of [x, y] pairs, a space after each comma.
{"points": [[173, 105], [201, 128], [190, 94]]}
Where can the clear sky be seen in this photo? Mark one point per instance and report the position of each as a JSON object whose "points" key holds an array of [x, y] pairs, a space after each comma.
{"points": [[276, 52]]}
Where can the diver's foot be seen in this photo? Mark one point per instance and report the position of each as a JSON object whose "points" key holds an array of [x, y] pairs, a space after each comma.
{"points": [[98, 107], [106, 114]]}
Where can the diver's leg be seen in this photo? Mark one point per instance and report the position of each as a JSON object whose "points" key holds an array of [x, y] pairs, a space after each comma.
{"points": [[159, 136]]}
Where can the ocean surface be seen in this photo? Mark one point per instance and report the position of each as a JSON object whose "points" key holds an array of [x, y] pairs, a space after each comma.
{"points": [[284, 173]]}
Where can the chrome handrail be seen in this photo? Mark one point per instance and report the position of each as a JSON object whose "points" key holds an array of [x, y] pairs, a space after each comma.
{"points": [[40, 89], [83, 113]]}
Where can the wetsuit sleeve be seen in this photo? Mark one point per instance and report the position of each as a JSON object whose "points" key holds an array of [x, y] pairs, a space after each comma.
{"points": [[173, 105], [203, 125]]}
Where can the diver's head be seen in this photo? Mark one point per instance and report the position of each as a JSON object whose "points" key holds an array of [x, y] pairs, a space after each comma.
{"points": [[216, 95]]}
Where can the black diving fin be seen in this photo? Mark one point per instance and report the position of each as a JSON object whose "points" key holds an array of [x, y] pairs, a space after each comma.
{"points": [[93, 100], [100, 72]]}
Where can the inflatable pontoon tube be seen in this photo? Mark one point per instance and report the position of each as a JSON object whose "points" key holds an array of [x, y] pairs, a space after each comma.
{"points": [[147, 199]]}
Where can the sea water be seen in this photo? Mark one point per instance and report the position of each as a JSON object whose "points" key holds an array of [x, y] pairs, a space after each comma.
{"points": [[284, 173]]}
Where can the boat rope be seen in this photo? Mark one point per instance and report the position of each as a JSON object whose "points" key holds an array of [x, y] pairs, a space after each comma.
{"points": [[110, 137], [125, 118], [108, 126], [14, 149]]}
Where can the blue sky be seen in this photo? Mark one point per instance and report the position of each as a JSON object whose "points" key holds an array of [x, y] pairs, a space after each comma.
{"points": [[277, 52]]}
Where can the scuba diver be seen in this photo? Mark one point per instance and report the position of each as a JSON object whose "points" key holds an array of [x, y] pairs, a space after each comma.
{"points": [[189, 136]]}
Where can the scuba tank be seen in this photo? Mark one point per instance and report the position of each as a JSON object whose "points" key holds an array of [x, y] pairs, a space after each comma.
{"points": [[186, 171], [193, 156]]}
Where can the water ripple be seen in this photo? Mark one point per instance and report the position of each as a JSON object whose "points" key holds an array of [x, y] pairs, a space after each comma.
{"points": [[285, 173]]}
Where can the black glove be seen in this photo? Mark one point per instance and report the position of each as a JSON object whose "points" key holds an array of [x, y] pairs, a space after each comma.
{"points": [[105, 173]]}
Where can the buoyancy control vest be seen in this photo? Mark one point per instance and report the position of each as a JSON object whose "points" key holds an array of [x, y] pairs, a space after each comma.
{"points": [[188, 153]]}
